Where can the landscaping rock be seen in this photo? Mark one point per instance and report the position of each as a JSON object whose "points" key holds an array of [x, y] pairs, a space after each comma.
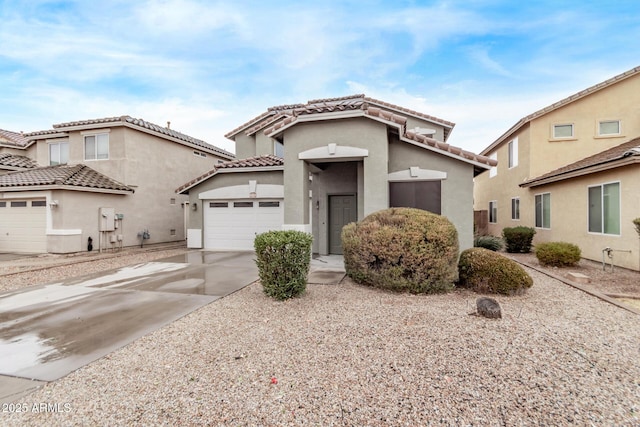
{"points": [[488, 307]]}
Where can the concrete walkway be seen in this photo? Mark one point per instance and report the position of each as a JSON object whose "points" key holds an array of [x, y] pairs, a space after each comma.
{"points": [[50, 330]]}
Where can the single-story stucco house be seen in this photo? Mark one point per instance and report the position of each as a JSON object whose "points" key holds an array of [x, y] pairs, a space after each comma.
{"points": [[317, 166]]}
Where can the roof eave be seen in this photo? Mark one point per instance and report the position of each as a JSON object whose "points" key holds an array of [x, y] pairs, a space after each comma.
{"points": [[50, 187]]}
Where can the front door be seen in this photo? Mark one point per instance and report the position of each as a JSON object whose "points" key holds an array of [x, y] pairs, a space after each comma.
{"points": [[342, 211]]}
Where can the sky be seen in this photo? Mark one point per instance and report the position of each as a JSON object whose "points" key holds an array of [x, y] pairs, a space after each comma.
{"points": [[210, 66]]}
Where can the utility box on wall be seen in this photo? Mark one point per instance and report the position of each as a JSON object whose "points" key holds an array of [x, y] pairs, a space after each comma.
{"points": [[107, 219]]}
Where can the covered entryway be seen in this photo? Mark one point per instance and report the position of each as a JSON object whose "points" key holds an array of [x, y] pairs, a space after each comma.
{"points": [[342, 211], [23, 226], [233, 225]]}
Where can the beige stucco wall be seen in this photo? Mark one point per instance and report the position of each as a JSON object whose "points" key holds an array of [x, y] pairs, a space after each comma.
{"points": [[245, 146], [569, 215], [457, 189]]}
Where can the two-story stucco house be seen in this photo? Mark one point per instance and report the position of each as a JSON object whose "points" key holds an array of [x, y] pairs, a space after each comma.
{"points": [[317, 166], [571, 171], [106, 179]]}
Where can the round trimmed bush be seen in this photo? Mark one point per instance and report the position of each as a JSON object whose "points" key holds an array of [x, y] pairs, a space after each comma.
{"points": [[403, 250], [558, 254], [283, 259], [518, 239], [485, 271]]}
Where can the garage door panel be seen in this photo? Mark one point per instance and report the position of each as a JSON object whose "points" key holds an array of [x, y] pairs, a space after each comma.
{"points": [[23, 226], [235, 225]]}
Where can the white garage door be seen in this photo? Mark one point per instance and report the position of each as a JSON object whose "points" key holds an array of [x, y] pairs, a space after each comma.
{"points": [[23, 226], [233, 225]]}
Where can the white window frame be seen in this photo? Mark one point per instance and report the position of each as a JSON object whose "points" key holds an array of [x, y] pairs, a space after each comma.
{"points": [[599, 128], [494, 169], [493, 205], [59, 144], [557, 125], [513, 152], [96, 135], [602, 219], [515, 214], [277, 144], [535, 211]]}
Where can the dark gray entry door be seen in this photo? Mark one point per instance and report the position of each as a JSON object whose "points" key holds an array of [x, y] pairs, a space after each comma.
{"points": [[342, 211]]}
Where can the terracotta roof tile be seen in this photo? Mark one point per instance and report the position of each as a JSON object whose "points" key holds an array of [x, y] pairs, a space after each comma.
{"points": [[523, 121], [16, 161], [61, 175], [620, 152], [268, 160], [13, 139]]}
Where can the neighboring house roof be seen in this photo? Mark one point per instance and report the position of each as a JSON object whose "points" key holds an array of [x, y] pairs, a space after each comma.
{"points": [[266, 162], [621, 155], [70, 177], [590, 90], [328, 105], [13, 139], [16, 162], [139, 124]]}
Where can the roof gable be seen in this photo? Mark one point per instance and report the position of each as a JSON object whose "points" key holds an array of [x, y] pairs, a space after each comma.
{"points": [[563, 102], [13, 139], [77, 177]]}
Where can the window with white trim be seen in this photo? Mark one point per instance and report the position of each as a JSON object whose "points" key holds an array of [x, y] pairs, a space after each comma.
{"points": [[58, 153], [513, 153], [494, 169], [515, 208], [96, 147], [563, 130], [493, 211], [604, 208], [278, 149], [543, 210], [608, 127]]}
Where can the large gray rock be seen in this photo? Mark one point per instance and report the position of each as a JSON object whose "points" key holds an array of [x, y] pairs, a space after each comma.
{"points": [[488, 307]]}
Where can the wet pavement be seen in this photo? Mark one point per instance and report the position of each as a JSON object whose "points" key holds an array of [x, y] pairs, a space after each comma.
{"points": [[50, 330]]}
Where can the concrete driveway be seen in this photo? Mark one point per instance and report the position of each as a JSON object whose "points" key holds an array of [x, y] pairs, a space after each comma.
{"points": [[50, 330]]}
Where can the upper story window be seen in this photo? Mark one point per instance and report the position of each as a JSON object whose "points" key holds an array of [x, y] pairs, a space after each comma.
{"points": [[58, 153], [199, 153], [563, 131], [513, 153], [608, 127], [96, 147], [494, 169], [278, 148]]}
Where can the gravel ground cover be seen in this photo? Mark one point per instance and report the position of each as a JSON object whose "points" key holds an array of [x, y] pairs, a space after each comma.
{"points": [[350, 355]]}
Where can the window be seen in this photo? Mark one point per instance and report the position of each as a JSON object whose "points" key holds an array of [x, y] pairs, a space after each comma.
{"points": [[96, 147], [609, 127], [18, 204], [425, 195], [172, 232], [3, 204], [172, 201], [604, 208], [493, 211], [494, 169], [58, 153], [242, 204], [513, 153], [278, 148], [563, 131], [515, 208], [38, 203], [269, 204], [218, 204], [199, 153], [543, 210]]}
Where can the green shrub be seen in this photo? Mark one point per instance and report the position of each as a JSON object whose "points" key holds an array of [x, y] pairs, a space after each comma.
{"points": [[485, 271], [558, 254], [492, 243], [402, 249], [518, 239], [283, 259]]}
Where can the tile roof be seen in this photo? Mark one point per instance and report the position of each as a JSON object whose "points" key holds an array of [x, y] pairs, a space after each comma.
{"points": [[328, 105], [626, 153], [81, 176], [134, 123], [16, 161], [266, 161], [13, 139], [588, 91]]}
